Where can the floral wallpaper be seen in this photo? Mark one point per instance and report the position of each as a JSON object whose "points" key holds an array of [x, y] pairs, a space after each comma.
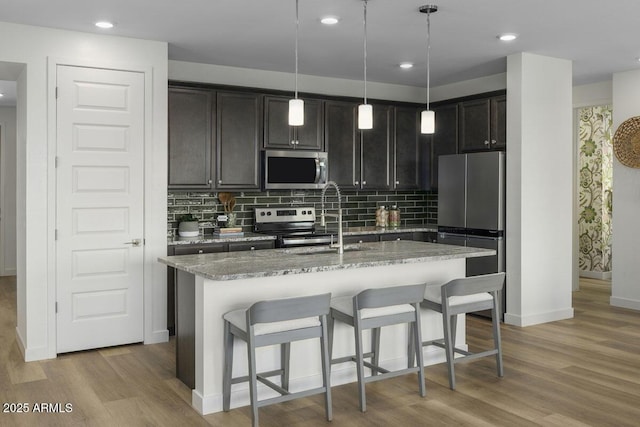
{"points": [[596, 175]]}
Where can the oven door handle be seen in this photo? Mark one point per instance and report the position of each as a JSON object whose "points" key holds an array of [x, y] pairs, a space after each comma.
{"points": [[303, 241]]}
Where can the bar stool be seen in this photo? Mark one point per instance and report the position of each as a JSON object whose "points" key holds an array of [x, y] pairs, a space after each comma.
{"points": [[460, 296], [372, 309], [271, 322]]}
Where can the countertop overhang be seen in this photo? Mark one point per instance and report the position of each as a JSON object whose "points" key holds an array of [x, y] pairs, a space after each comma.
{"points": [[279, 262]]}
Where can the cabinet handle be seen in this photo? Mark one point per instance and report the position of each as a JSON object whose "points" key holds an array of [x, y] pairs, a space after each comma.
{"points": [[210, 181], [200, 251], [398, 239], [486, 143], [364, 182], [219, 181], [397, 182], [493, 142], [356, 183], [253, 248]]}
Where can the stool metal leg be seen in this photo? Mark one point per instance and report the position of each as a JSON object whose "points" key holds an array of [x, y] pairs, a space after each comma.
{"points": [[449, 346], [228, 367], [360, 365], [330, 322], [285, 356], [326, 370], [496, 334], [375, 348], [253, 380], [411, 351], [417, 340]]}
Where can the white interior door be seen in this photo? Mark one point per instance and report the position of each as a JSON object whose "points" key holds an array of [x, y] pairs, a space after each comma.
{"points": [[99, 207]]}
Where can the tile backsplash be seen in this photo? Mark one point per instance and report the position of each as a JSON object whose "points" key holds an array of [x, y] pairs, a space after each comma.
{"points": [[416, 207]]}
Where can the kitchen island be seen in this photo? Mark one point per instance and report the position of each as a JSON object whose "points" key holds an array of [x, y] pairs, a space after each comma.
{"points": [[209, 285]]}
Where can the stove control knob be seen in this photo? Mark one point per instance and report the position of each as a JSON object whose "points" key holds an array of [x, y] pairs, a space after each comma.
{"points": [[268, 213], [261, 213]]}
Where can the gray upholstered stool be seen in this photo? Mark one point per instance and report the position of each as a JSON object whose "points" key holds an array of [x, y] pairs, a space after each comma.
{"points": [[466, 295], [372, 309], [273, 322]]}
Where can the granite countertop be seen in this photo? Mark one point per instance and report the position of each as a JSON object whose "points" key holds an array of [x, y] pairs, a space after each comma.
{"points": [[208, 238], [278, 262]]}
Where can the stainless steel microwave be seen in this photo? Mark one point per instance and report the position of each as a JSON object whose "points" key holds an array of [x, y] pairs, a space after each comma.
{"points": [[294, 169]]}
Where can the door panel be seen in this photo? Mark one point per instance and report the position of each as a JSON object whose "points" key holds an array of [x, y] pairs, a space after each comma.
{"points": [[451, 191], [485, 190], [99, 208]]}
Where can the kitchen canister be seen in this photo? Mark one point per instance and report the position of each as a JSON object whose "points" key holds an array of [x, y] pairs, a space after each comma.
{"points": [[382, 217], [394, 216]]}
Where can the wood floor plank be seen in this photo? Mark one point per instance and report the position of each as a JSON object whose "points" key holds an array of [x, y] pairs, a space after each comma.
{"points": [[583, 371]]}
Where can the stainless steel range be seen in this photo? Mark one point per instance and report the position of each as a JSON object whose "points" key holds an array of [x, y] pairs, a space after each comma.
{"points": [[295, 226]]}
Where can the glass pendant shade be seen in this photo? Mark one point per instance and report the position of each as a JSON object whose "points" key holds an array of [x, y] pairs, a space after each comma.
{"points": [[296, 112], [365, 116], [427, 122]]}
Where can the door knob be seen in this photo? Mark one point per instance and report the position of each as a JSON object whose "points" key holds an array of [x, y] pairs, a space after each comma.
{"points": [[134, 242]]}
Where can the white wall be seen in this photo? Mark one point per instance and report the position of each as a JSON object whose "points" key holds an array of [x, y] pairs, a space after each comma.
{"points": [[625, 286], [233, 76], [37, 48], [539, 238], [8, 191]]}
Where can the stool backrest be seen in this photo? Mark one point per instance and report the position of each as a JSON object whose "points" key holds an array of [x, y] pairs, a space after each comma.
{"points": [[279, 310], [393, 295], [473, 285]]}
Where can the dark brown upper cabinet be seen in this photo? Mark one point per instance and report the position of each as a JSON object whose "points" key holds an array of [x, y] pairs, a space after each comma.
{"points": [[238, 140], [190, 138], [411, 151], [279, 135], [340, 130], [445, 138], [482, 124]]}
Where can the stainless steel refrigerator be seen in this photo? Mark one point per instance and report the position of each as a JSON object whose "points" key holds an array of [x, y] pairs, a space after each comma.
{"points": [[471, 207]]}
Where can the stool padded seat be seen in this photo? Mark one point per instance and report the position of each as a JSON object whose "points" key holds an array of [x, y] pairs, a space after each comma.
{"points": [[434, 293], [345, 305], [238, 318]]}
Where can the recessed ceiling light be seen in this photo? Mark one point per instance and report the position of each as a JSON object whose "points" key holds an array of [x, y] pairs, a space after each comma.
{"points": [[406, 65], [1, 95], [329, 20], [507, 37], [104, 24]]}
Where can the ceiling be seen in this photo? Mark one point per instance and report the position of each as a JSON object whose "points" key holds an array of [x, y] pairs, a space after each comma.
{"points": [[260, 34]]}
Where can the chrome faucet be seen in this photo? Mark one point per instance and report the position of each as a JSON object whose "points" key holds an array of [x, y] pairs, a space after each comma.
{"points": [[340, 245]]}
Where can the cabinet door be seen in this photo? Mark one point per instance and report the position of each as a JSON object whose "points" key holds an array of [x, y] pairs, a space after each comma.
{"points": [[388, 237], [499, 122], [199, 249], [360, 238], [238, 138], [277, 132], [376, 149], [340, 141], [474, 125], [190, 138], [409, 160], [445, 138]]}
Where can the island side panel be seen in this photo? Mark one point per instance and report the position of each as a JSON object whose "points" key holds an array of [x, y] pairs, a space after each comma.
{"points": [[185, 327], [214, 298]]}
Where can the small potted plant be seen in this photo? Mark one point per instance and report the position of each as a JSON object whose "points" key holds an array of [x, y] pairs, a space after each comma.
{"points": [[188, 226]]}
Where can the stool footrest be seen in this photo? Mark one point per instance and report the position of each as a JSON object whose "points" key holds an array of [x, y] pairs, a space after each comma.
{"points": [[350, 358], [272, 385], [391, 374], [291, 396], [375, 367], [238, 380], [471, 356]]}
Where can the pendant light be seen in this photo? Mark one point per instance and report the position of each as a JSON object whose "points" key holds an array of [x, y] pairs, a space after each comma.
{"points": [[296, 106], [365, 111], [428, 117]]}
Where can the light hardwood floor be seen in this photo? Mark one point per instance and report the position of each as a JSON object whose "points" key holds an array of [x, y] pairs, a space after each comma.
{"points": [[577, 372]]}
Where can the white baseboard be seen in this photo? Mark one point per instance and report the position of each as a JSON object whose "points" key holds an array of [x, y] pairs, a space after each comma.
{"points": [[157, 337], [9, 272], [342, 373], [34, 353], [625, 303], [601, 275], [535, 319]]}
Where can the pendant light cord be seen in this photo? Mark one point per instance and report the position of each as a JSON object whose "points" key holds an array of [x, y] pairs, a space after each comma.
{"points": [[297, 24], [428, 56], [365, 51]]}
